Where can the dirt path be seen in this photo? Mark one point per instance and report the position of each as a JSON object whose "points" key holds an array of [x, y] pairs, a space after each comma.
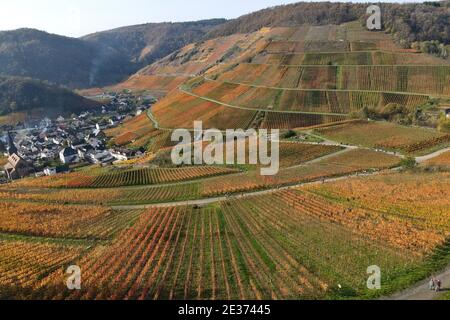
{"points": [[431, 155], [257, 109], [421, 291], [203, 202]]}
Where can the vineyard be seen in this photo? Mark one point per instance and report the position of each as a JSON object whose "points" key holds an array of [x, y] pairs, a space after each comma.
{"points": [[398, 194], [293, 244], [441, 161], [353, 161], [407, 79], [46, 220], [184, 253], [161, 84], [23, 265], [346, 163], [385, 136], [145, 229], [274, 120], [145, 176], [346, 58], [326, 101], [156, 176], [132, 130], [180, 110]]}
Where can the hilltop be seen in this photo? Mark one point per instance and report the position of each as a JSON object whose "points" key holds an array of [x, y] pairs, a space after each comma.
{"points": [[408, 23]]}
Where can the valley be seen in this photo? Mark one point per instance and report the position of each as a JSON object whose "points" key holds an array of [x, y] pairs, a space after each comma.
{"points": [[364, 176]]}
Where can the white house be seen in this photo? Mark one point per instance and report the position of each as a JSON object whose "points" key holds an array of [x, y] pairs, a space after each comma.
{"points": [[102, 157], [50, 171], [69, 155], [122, 154]]}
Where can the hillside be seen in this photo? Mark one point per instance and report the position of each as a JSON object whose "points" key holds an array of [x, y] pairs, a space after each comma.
{"points": [[109, 57], [409, 23], [23, 95], [292, 77], [36, 54], [146, 43], [94, 60], [347, 194]]}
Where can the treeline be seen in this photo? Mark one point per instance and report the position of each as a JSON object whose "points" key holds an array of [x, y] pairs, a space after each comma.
{"points": [[424, 26], [313, 13], [24, 94]]}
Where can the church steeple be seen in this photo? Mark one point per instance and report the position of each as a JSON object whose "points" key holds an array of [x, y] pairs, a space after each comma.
{"points": [[11, 146]]}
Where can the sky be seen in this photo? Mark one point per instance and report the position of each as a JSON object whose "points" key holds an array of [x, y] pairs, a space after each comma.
{"points": [[76, 18]]}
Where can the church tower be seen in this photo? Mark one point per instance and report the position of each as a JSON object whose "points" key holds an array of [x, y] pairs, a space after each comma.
{"points": [[11, 146]]}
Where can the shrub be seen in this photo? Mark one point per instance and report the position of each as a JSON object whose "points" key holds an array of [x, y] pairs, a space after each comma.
{"points": [[408, 163]]}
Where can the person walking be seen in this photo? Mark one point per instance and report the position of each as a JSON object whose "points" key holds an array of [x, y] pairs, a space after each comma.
{"points": [[431, 284], [438, 285]]}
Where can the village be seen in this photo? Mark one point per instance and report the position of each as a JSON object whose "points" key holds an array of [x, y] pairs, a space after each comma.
{"points": [[46, 147]]}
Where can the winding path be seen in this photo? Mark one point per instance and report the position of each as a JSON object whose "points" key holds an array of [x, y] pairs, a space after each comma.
{"points": [[431, 155], [258, 109]]}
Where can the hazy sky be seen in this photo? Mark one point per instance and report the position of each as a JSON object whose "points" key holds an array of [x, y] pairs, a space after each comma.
{"points": [[80, 17]]}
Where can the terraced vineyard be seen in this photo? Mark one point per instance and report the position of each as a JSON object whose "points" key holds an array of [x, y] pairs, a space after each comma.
{"points": [[346, 58], [181, 110], [353, 161], [292, 121], [147, 176], [386, 136], [407, 79], [397, 195], [205, 232], [314, 101], [120, 177]]}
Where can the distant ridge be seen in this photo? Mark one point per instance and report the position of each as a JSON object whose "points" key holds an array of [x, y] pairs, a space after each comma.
{"points": [[94, 60], [23, 95]]}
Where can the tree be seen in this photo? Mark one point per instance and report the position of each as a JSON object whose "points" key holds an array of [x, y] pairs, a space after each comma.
{"points": [[408, 163]]}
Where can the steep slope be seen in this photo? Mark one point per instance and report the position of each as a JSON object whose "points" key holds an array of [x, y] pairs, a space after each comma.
{"points": [[146, 43], [95, 60], [39, 55], [24, 95], [298, 77], [409, 23]]}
